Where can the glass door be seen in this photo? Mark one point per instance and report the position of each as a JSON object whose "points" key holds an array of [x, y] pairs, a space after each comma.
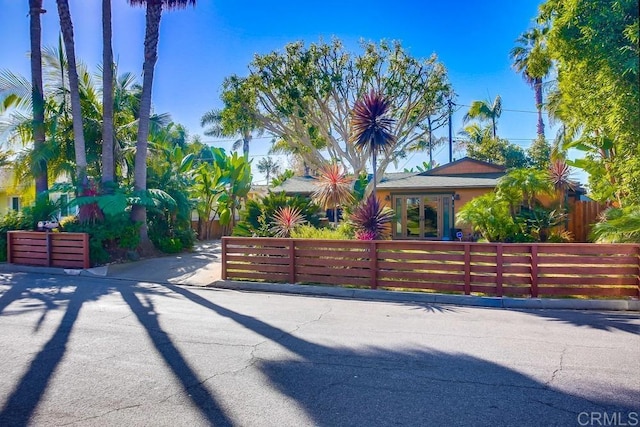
{"points": [[431, 216], [423, 217]]}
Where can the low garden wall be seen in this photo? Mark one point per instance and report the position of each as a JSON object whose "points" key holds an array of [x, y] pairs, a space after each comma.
{"points": [[496, 269], [66, 250]]}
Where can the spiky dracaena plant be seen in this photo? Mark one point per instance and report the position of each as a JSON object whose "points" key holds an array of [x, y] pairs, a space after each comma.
{"points": [[285, 220], [334, 188], [370, 219], [560, 177], [371, 127]]}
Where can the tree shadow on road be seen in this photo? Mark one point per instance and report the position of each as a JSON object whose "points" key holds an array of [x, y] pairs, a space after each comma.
{"points": [[192, 385], [20, 405], [333, 385], [411, 386], [55, 295], [609, 321]]}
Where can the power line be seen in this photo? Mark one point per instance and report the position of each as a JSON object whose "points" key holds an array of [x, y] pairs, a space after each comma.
{"points": [[507, 109]]}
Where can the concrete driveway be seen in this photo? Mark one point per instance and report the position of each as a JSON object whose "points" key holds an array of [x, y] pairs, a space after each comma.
{"points": [[85, 351]]}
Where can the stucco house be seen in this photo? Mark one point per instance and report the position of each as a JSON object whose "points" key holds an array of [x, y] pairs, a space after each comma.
{"points": [[425, 203], [18, 195], [11, 197]]}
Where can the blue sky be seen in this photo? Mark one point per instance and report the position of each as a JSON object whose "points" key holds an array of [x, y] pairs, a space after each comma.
{"points": [[200, 46]]}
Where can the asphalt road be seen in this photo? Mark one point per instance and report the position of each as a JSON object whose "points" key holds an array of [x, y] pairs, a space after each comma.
{"points": [[85, 351]]}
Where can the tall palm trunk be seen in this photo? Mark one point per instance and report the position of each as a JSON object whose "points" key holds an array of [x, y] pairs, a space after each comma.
{"points": [[537, 87], [246, 140], [108, 165], [37, 97], [139, 212], [66, 27]]}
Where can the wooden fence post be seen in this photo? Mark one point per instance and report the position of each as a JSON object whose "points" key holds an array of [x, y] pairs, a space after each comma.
{"points": [[48, 239], [223, 274], [534, 270], [467, 269], [638, 278], [86, 256], [499, 269], [373, 263], [9, 249], [292, 261]]}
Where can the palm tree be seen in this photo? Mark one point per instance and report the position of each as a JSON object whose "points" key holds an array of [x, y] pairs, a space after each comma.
{"points": [[152, 30], [37, 91], [269, 167], [423, 145], [485, 110], [371, 128], [334, 188], [531, 59], [108, 159], [66, 26], [524, 183], [219, 128]]}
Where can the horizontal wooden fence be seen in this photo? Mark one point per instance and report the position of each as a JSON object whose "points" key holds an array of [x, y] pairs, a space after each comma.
{"points": [[66, 250], [497, 269]]}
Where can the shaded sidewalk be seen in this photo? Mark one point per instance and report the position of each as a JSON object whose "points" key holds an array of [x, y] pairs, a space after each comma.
{"points": [[202, 267]]}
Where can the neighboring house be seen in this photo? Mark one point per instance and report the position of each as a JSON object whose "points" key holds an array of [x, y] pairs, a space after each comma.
{"points": [[16, 196], [10, 196]]}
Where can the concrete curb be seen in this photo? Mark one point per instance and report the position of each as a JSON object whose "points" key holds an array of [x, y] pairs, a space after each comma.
{"points": [[361, 294], [398, 296]]}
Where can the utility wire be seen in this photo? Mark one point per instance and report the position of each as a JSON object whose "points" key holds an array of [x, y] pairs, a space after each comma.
{"points": [[507, 109]]}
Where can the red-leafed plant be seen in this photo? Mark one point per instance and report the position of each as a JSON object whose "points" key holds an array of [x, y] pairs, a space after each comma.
{"points": [[560, 177], [372, 128], [285, 220], [370, 219], [334, 188]]}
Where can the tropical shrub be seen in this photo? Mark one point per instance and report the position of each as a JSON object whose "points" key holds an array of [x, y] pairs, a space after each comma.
{"points": [[169, 245], [562, 236], [344, 231], [539, 221], [618, 225], [491, 217], [13, 220], [109, 239], [371, 220], [285, 220], [257, 216]]}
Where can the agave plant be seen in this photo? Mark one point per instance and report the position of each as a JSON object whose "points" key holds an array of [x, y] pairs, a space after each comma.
{"points": [[371, 128], [370, 219], [285, 220], [334, 189]]}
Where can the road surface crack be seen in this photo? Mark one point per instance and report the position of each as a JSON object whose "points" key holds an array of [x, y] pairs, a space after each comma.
{"points": [[104, 414], [560, 367]]}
